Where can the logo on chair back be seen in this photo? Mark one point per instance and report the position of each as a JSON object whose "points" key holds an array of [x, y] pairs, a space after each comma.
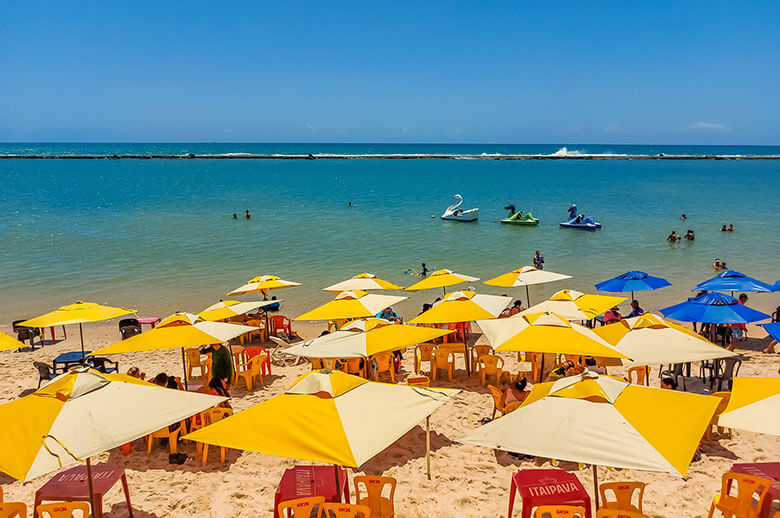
{"points": [[553, 489]]}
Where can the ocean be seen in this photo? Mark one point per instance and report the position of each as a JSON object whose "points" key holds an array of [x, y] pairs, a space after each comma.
{"points": [[158, 235]]}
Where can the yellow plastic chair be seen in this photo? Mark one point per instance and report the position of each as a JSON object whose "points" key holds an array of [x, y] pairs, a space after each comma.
{"points": [[339, 510], [211, 416], [165, 433], [12, 509], [353, 366], [384, 363], [423, 353], [617, 513], [741, 504], [724, 401], [476, 352], [316, 364], [63, 510], [514, 405], [640, 373], [370, 491], [248, 337], [490, 365], [194, 362], [622, 494], [556, 511], [442, 358], [300, 507], [498, 400], [250, 370]]}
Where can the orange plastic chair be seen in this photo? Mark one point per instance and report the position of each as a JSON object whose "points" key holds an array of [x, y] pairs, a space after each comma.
{"points": [[211, 416], [280, 323], [12, 509], [617, 513], [250, 370], [623, 493], [194, 362], [724, 401], [355, 366], [490, 365], [63, 510], [262, 332], [742, 504], [384, 363], [300, 507], [514, 405], [422, 353], [640, 373], [316, 364], [370, 491], [498, 400], [165, 433], [555, 511], [339, 510], [442, 358], [476, 352], [254, 350]]}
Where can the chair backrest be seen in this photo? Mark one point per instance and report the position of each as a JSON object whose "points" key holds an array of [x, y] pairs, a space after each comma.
{"points": [[300, 507], [64, 510], [316, 363], [375, 494], [254, 323], [193, 356], [743, 503], [638, 373], [724, 402], [212, 415], [424, 351], [498, 396], [256, 364], [352, 365], [677, 370], [482, 350], [340, 510], [554, 511], [44, 370], [617, 513], [253, 350], [277, 322], [384, 361], [514, 405], [490, 362], [619, 495], [129, 322], [731, 367]]}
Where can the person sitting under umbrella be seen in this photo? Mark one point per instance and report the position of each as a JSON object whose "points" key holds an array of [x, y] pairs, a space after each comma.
{"points": [[635, 309], [612, 316]]}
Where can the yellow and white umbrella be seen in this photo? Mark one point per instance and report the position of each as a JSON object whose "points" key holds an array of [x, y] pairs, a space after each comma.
{"points": [[525, 276], [352, 304], [603, 421], [263, 283], [364, 338], [231, 308], [575, 305], [754, 405], [363, 282], [83, 413], [463, 306], [329, 417], [650, 340], [9, 342], [441, 279]]}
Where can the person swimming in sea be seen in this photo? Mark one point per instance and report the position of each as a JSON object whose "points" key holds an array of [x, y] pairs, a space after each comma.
{"points": [[719, 265], [235, 216], [724, 229], [731, 228], [674, 236], [683, 216], [248, 216], [689, 235]]}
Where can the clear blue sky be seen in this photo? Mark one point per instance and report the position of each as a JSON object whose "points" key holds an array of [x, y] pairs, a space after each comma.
{"points": [[424, 71]]}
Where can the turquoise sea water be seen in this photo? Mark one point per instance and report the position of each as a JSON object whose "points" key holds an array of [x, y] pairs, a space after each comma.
{"points": [[158, 235]]}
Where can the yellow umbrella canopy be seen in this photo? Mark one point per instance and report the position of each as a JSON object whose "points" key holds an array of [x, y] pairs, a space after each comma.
{"points": [[352, 304], [230, 308], [754, 405], [9, 342], [364, 338], [525, 276], [329, 417], [263, 283], [603, 421], [363, 282], [463, 306], [575, 305], [82, 413], [545, 333], [441, 279]]}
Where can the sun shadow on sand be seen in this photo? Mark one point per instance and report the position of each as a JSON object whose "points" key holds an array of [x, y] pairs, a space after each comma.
{"points": [[410, 446], [120, 511], [139, 460], [714, 449]]}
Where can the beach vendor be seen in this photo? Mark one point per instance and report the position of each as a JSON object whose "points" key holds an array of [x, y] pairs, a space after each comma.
{"points": [[221, 365]]}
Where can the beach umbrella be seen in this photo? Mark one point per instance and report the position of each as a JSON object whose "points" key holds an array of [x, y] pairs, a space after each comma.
{"points": [[775, 286], [263, 283], [463, 306], [575, 305], [713, 308], [329, 417], [231, 308], [441, 279], [9, 342], [525, 276], [363, 282], [603, 421], [78, 313], [732, 280], [364, 338], [82, 413], [352, 304], [754, 405], [632, 281], [773, 329], [178, 331]]}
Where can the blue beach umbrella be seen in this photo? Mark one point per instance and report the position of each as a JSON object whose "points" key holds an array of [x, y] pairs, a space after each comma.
{"points": [[713, 308], [776, 286], [632, 281], [733, 280], [773, 329]]}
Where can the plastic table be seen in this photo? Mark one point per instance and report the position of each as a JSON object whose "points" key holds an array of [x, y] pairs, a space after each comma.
{"points": [[65, 360], [152, 321], [304, 481], [547, 486], [768, 470], [71, 486]]}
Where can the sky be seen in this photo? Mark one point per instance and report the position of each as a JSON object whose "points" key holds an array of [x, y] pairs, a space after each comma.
{"points": [[655, 72]]}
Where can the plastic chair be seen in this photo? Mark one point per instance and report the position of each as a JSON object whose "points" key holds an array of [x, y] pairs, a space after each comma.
{"points": [[640, 373], [166, 433], [63, 510], [211, 416], [383, 362], [490, 365], [554, 511], [623, 493], [336, 324], [476, 352], [617, 513], [498, 400], [339, 510], [742, 505], [380, 505], [300, 507], [422, 353], [27, 333], [514, 405], [254, 350], [730, 369], [442, 359], [250, 370], [44, 372], [192, 355], [248, 337], [355, 366], [12, 509], [280, 323], [724, 401]]}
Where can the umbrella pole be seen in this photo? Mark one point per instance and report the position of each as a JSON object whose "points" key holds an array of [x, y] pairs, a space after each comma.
{"points": [[81, 334], [596, 487], [527, 296], [184, 368], [428, 445], [89, 484]]}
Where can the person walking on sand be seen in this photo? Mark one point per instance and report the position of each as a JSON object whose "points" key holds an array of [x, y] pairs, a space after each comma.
{"points": [[221, 365]]}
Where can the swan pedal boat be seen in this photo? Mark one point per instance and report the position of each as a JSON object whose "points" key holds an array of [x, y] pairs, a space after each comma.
{"points": [[588, 223], [521, 219], [453, 213]]}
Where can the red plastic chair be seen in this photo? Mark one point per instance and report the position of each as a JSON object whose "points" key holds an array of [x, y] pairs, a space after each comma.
{"points": [[254, 350], [462, 330], [280, 322]]}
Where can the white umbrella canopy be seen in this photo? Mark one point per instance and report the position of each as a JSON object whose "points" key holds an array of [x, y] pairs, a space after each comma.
{"points": [[352, 304], [363, 282], [575, 305], [230, 308], [754, 405]]}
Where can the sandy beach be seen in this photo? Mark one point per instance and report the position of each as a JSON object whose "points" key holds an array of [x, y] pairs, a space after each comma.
{"points": [[472, 479]]}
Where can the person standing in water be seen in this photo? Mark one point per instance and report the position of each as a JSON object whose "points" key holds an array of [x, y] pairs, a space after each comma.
{"points": [[235, 216], [424, 270], [539, 261], [248, 216]]}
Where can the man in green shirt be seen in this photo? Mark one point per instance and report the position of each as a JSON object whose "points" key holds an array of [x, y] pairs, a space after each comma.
{"points": [[221, 364]]}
